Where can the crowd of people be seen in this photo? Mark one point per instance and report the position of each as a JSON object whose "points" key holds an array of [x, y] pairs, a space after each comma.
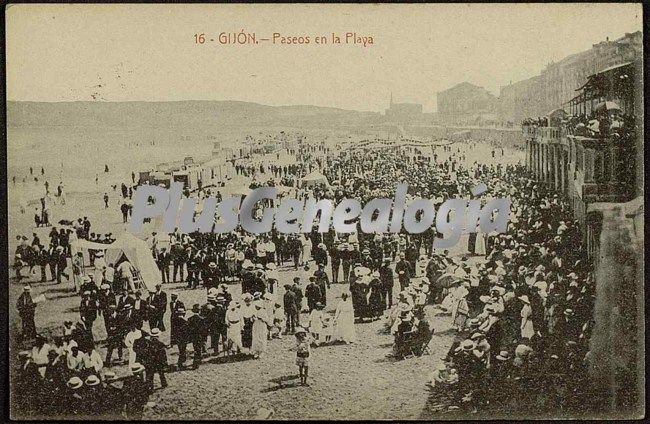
{"points": [[598, 124], [527, 303], [525, 315]]}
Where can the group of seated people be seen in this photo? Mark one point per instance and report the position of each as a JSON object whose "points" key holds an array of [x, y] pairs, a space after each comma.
{"points": [[66, 378], [602, 123]]}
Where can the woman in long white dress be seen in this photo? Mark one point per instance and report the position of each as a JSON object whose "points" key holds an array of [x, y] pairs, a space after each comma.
{"points": [[306, 249], [315, 324], [344, 321], [527, 329], [260, 329], [233, 320], [480, 245]]}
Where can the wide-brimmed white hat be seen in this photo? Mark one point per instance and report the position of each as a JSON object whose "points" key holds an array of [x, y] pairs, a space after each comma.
{"points": [[137, 368], [75, 383], [92, 380]]}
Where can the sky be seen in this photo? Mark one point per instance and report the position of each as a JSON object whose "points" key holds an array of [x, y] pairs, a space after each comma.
{"points": [[147, 52]]}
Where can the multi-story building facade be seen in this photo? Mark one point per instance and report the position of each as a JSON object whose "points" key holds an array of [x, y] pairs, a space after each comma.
{"points": [[557, 83], [466, 104], [597, 169], [519, 100]]}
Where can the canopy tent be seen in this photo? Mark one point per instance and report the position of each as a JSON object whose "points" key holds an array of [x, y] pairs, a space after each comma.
{"points": [[88, 245], [136, 251], [314, 178]]}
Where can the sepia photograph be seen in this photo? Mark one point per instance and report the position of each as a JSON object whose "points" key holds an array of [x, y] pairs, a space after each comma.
{"points": [[325, 211]]}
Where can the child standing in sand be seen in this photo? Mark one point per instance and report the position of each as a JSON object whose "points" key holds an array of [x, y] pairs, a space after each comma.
{"points": [[303, 351]]}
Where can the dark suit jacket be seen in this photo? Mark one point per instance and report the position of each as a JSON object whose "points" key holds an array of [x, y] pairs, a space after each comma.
{"points": [[159, 301]]}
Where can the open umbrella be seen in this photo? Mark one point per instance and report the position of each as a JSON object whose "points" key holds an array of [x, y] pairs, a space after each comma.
{"points": [[608, 105], [446, 280]]}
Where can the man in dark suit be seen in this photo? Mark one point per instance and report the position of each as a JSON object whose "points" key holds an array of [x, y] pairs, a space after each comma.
{"points": [[197, 330], [403, 270], [157, 308], [182, 335], [290, 309], [83, 336], [298, 292], [178, 260], [218, 324], [122, 299], [313, 294], [26, 308], [158, 363], [88, 308], [163, 261], [323, 282], [115, 332], [136, 392], [387, 281], [140, 309], [174, 306]]}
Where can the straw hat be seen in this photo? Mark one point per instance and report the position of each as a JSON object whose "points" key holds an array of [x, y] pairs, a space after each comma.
{"points": [[477, 336], [75, 383], [504, 355], [110, 376], [137, 368], [468, 345], [92, 380]]}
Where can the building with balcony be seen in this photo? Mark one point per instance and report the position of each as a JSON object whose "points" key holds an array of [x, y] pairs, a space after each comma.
{"points": [[595, 161], [557, 83], [598, 164]]}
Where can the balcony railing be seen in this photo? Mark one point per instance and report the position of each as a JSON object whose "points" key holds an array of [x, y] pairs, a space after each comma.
{"points": [[544, 134]]}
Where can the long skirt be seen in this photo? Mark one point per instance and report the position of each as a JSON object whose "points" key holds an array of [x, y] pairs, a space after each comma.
{"points": [[480, 245], [344, 329], [234, 336], [260, 337], [247, 333]]}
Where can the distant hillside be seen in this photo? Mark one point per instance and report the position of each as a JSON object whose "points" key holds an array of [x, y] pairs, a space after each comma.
{"points": [[161, 114]]}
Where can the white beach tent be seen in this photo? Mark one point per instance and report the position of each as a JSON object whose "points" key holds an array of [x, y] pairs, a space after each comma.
{"points": [[137, 252]]}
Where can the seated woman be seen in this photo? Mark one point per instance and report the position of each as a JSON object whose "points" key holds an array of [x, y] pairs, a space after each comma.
{"points": [[421, 337], [404, 330]]}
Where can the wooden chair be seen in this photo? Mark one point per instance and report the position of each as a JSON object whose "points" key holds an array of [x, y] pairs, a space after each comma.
{"points": [[425, 349]]}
